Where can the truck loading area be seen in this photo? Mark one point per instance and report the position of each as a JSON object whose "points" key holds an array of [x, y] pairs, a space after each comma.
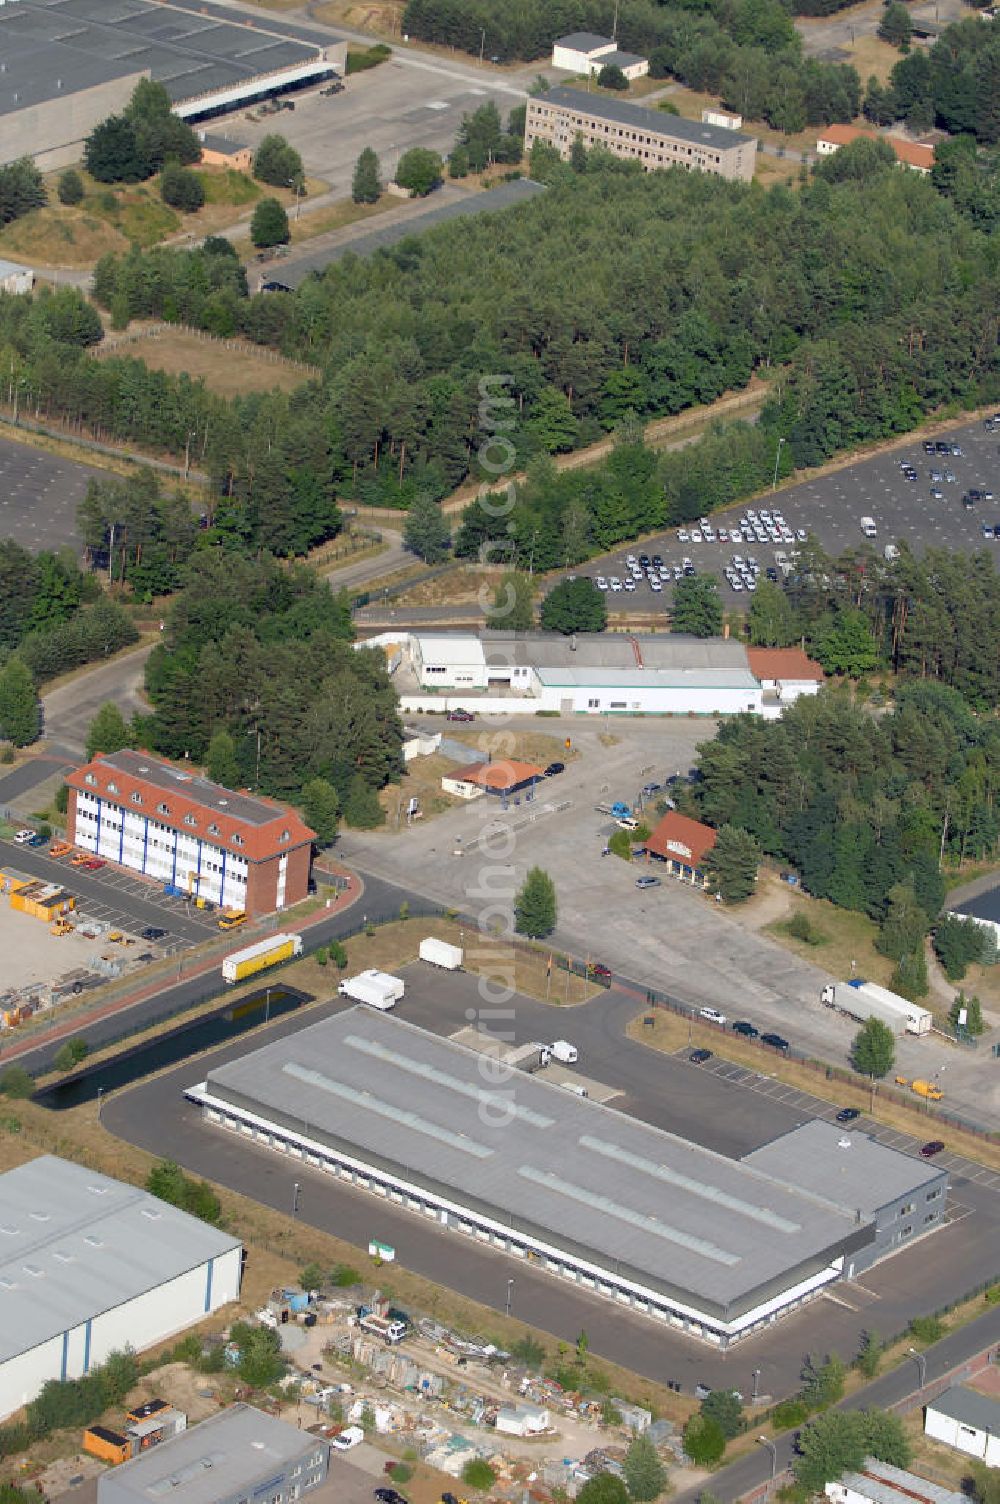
{"points": [[713, 1247]]}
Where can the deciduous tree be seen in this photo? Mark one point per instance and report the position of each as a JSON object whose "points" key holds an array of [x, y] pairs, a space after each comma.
{"points": [[873, 1052], [574, 605]]}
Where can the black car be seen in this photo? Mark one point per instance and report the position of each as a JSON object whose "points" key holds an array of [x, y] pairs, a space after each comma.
{"points": [[645, 560], [928, 447], [658, 560], [934, 1146], [698, 1057], [554, 768], [772, 574], [848, 1114], [742, 1026], [775, 1041], [389, 1496], [941, 447], [151, 933]]}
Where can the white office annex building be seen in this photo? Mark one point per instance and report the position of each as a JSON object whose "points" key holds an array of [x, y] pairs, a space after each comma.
{"points": [[89, 1265], [687, 1237]]}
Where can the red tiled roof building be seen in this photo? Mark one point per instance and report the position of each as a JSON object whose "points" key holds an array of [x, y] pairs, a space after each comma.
{"points": [[683, 844], [237, 850]]}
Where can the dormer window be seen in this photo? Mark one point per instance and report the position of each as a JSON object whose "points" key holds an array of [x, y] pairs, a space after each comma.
{"points": [[161, 809], [91, 779], [237, 840], [190, 820], [213, 830], [135, 797]]}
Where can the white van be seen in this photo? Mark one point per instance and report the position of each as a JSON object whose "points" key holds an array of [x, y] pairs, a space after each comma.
{"points": [[868, 527]]}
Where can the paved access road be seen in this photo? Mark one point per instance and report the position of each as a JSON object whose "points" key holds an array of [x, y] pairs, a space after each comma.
{"points": [[730, 1116], [735, 1481], [39, 495]]}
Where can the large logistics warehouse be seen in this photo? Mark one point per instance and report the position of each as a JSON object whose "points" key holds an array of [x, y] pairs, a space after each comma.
{"points": [[70, 63], [89, 1266], [703, 1243]]}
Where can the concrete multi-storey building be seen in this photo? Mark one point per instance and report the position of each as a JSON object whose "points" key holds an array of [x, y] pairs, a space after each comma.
{"points": [[237, 850], [563, 116]]}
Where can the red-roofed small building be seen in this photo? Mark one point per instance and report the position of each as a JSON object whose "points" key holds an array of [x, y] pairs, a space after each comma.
{"points": [[237, 850], [912, 154], [504, 778], [783, 674], [683, 844]]}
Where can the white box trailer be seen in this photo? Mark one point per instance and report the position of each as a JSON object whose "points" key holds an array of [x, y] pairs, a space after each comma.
{"points": [[376, 988], [440, 953], [864, 1000]]}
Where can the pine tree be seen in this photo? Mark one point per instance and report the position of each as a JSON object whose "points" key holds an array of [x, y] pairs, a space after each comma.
{"points": [[220, 759], [513, 608], [108, 731], [732, 864], [366, 187], [535, 905], [426, 531], [321, 809], [19, 718]]}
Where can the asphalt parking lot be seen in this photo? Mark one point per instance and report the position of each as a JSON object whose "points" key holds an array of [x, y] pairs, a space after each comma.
{"points": [[39, 494], [407, 101], [830, 509], [724, 1107], [125, 901]]}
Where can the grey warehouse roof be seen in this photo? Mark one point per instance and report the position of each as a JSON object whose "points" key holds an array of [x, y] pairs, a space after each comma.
{"points": [[583, 41], [634, 115], [587, 650], [969, 1407], [648, 678], [848, 1169], [57, 47], [659, 1209], [223, 1457], [983, 906], [74, 1244], [885, 1484]]}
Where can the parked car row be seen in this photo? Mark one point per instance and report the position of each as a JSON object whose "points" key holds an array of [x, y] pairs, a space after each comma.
{"points": [[764, 526]]}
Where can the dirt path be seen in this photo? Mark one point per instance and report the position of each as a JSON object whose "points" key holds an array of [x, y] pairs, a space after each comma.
{"points": [[661, 433]]}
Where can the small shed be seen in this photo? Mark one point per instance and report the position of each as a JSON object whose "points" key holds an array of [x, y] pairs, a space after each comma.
{"points": [[966, 1420], [222, 151], [15, 278], [505, 779], [523, 1420]]}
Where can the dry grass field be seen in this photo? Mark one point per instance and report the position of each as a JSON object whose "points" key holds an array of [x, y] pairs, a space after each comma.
{"points": [[229, 371]]}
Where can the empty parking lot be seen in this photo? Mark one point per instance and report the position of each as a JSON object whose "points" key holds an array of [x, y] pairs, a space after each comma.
{"points": [[39, 495]]}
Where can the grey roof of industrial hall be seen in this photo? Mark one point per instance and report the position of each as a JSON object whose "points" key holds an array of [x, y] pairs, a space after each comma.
{"points": [[220, 1458], [648, 678], [583, 41], [849, 1169], [611, 650], [637, 116], [619, 59], [969, 1407], [74, 1244], [885, 1484], [295, 269], [202, 791], [983, 906], [54, 48], [535, 1157]]}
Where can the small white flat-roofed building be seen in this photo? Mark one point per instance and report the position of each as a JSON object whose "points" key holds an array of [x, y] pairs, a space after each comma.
{"points": [[238, 1455], [784, 674], [522, 1419], [581, 51], [630, 63], [448, 660], [881, 1483], [89, 1265], [15, 278], [966, 1420]]}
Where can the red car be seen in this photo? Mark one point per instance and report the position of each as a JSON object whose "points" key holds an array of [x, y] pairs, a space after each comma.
{"points": [[602, 972], [460, 715], [93, 864]]}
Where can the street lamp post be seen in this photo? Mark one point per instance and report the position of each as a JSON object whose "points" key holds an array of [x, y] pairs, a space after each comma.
{"points": [[510, 1291], [295, 1199], [482, 46], [755, 1386], [921, 1362], [765, 1441], [777, 462]]}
